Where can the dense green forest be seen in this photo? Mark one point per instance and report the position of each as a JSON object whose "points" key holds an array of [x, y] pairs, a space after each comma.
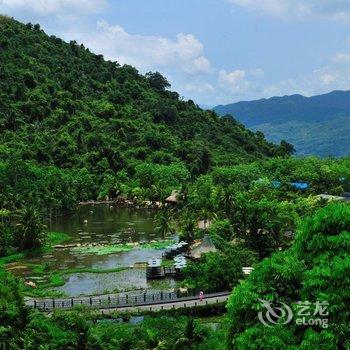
{"points": [[74, 127], [310, 123], [67, 115], [316, 268]]}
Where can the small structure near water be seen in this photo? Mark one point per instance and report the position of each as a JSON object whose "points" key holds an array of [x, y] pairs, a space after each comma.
{"points": [[206, 246], [154, 269], [173, 198], [247, 270], [175, 249], [180, 263]]}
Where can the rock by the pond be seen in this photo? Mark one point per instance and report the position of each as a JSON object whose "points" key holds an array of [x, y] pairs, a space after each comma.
{"points": [[30, 284]]}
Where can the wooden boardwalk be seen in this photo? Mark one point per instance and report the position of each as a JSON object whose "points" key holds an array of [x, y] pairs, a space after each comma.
{"points": [[179, 304], [130, 301]]}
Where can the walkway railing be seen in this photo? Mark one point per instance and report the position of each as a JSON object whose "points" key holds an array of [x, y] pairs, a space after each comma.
{"points": [[114, 301]]}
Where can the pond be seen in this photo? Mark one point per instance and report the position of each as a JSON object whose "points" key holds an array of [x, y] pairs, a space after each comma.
{"points": [[106, 223], [102, 224], [99, 283]]}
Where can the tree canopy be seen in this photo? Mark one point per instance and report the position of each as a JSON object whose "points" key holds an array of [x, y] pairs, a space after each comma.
{"points": [[315, 269]]}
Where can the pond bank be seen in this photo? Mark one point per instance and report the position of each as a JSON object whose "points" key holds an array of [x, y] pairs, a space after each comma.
{"points": [[126, 202], [95, 247]]}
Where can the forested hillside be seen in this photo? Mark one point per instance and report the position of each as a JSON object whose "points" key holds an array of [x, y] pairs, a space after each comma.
{"points": [[310, 123], [71, 108], [81, 123]]}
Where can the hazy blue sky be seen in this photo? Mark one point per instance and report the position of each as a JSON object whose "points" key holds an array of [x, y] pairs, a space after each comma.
{"points": [[213, 51]]}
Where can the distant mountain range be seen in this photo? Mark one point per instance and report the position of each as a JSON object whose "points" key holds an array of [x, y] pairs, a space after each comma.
{"points": [[318, 125]]}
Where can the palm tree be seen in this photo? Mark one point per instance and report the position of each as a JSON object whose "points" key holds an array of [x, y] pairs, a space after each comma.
{"points": [[226, 200], [191, 335], [189, 225], [152, 340], [30, 229], [207, 214], [164, 222]]}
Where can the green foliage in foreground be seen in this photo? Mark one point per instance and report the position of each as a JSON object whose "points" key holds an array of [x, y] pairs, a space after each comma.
{"points": [[218, 271], [25, 329], [316, 268]]}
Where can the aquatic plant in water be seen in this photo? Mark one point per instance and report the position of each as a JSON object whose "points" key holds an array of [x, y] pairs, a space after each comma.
{"points": [[117, 248]]}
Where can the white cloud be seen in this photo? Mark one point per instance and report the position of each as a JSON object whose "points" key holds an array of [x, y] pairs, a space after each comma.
{"points": [[327, 78], [333, 76], [257, 73], [199, 88], [299, 9], [235, 81], [200, 64], [341, 58], [185, 52], [47, 7]]}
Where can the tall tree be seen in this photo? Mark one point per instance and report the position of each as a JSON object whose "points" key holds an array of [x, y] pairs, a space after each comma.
{"points": [[30, 228], [164, 222]]}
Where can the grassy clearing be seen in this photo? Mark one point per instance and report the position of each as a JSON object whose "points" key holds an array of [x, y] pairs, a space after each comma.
{"points": [[44, 293], [56, 280], [11, 258], [165, 284], [167, 262], [157, 245], [54, 238]]}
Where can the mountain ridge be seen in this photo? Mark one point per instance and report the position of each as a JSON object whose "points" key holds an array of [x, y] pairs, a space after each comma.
{"points": [[298, 119]]}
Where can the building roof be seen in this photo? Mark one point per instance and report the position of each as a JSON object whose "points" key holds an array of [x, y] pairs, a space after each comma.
{"points": [[206, 246], [154, 262], [300, 185], [173, 197], [247, 270]]}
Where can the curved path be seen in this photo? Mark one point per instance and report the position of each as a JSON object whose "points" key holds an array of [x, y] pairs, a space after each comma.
{"points": [[131, 301]]}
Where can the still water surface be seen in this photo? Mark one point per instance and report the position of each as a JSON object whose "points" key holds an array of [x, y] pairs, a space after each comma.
{"points": [[103, 224]]}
